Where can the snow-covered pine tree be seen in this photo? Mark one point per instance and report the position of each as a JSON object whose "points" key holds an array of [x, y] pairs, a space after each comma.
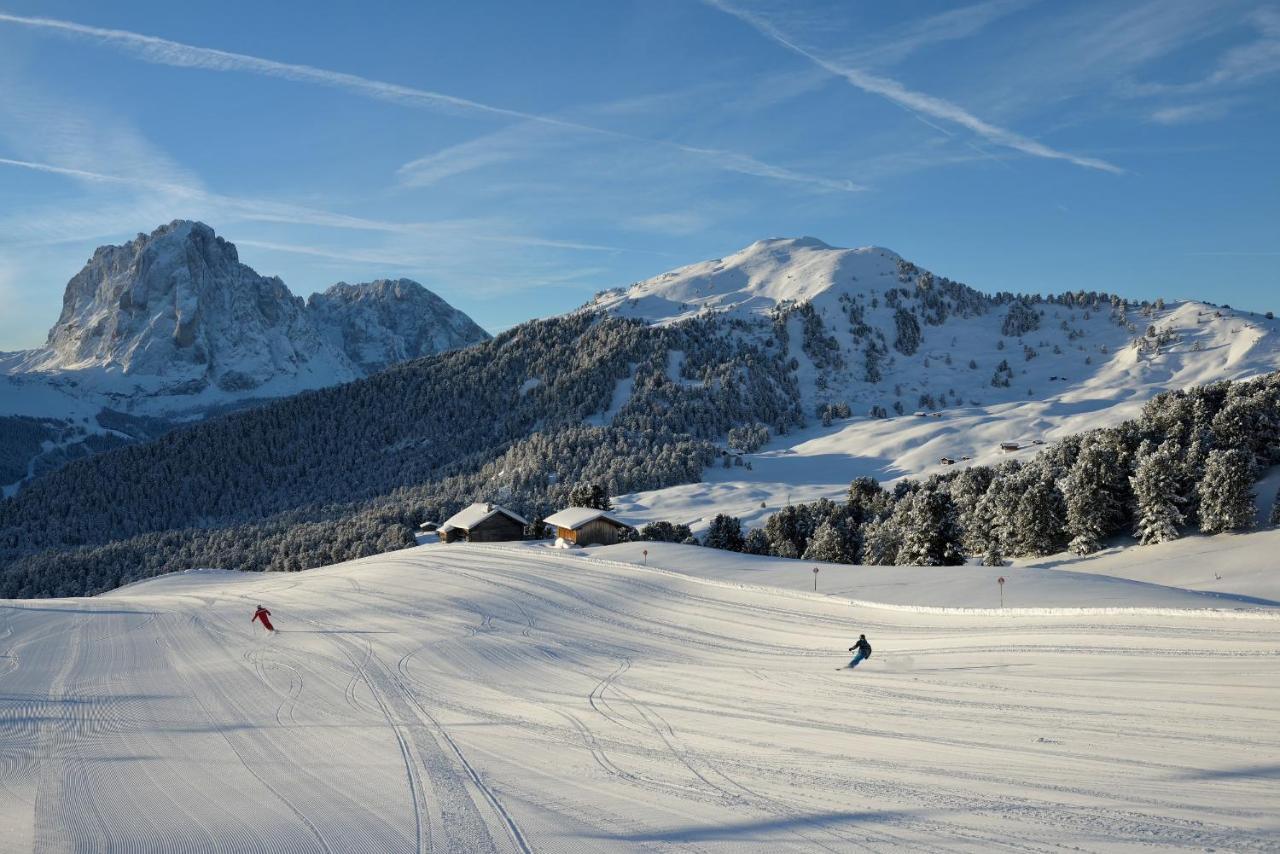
{"points": [[1039, 524], [1226, 491], [995, 517], [881, 540], [931, 536], [589, 495], [830, 543], [907, 341], [1020, 320], [1250, 419], [967, 489], [1159, 496], [1094, 508], [725, 532], [993, 555], [757, 542]]}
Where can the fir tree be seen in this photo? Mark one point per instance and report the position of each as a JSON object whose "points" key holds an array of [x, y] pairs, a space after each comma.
{"points": [[1094, 509], [590, 495], [1226, 492], [993, 556], [1159, 498], [907, 341], [1040, 520], [931, 536], [725, 532], [829, 543], [757, 542]]}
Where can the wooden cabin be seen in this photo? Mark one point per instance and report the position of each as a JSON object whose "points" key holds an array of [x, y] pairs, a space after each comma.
{"points": [[587, 526], [947, 461], [1010, 446], [483, 523]]}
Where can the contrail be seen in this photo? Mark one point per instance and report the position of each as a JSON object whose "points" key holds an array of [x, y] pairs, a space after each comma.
{"points": [[918, 102], [268, 211], [165, 52]]}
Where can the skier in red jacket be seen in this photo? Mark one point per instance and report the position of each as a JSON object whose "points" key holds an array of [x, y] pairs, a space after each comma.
{"points": [[265, 616]]}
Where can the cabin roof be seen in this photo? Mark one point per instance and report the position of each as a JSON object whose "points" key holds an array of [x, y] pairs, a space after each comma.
{"points": [[576, 517], [473, 515]]}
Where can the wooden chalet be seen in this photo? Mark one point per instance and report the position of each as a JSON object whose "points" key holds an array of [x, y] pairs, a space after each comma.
{"points": [[1010, 446], [483, 523], [587, 526]]}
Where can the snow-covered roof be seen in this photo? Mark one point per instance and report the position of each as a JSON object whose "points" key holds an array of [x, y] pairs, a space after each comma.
{"points": [[576, 517], [473, 515]]}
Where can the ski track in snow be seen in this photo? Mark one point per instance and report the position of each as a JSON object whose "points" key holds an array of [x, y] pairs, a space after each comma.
{"points": [[490, 698]]}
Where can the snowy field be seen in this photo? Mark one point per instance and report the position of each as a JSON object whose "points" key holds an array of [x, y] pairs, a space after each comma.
{"points": [[508, 698]]}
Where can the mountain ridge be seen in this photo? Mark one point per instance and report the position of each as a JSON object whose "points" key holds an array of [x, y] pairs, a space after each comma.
{"points": [[678, 415], [173, 326]]}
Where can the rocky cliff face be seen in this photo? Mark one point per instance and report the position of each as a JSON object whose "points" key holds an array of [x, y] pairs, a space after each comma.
{"points": [[390, 320], [178, 306], [171, 327]]}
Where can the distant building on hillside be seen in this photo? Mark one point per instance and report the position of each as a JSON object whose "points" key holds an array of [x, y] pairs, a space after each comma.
{"points": [[587, 526], [483, 523], [1010, 446]]}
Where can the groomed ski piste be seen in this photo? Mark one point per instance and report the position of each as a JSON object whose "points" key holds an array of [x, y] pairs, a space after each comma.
{"points": [[516, 697]]}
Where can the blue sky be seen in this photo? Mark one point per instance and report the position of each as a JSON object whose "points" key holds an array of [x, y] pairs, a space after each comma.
{"points": [[518, 157]]}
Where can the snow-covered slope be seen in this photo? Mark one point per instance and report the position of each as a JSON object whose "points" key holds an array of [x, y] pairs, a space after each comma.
{"points": [[889, 338], [472, 698], [172, 325], [755, 280]]}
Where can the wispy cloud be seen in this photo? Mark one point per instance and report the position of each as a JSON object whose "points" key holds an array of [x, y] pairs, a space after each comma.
{"points": [[919, 103], [952, 25], [669, 222], [166, 52], [1238, 66], [1183, 114], [201, 203], [88, 138]]}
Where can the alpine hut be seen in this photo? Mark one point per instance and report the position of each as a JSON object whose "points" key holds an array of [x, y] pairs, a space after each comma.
{"points": [[587, 526], [483, 523]]}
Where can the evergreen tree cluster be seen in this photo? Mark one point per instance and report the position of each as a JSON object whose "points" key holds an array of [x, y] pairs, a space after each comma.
{"points": [[1188, 463]]}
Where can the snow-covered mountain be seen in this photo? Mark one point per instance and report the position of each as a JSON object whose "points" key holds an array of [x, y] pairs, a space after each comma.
{"points": [[875, 340], [176, 309], [172, 325], [390, 320], [755, 281]]}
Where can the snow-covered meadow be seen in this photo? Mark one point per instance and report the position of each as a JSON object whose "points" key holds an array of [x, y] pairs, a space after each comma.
{"points": [[519, 698]]}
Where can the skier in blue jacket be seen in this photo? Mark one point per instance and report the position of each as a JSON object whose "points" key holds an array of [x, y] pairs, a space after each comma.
{"points": [[861, 651]]}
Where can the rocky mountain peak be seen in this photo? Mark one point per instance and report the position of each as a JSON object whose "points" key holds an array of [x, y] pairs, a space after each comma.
{"points": [[380, 323], [176, 311]]}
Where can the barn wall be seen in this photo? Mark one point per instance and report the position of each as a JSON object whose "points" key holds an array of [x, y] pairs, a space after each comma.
{"points": [[598, 532], [496, 529]]}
